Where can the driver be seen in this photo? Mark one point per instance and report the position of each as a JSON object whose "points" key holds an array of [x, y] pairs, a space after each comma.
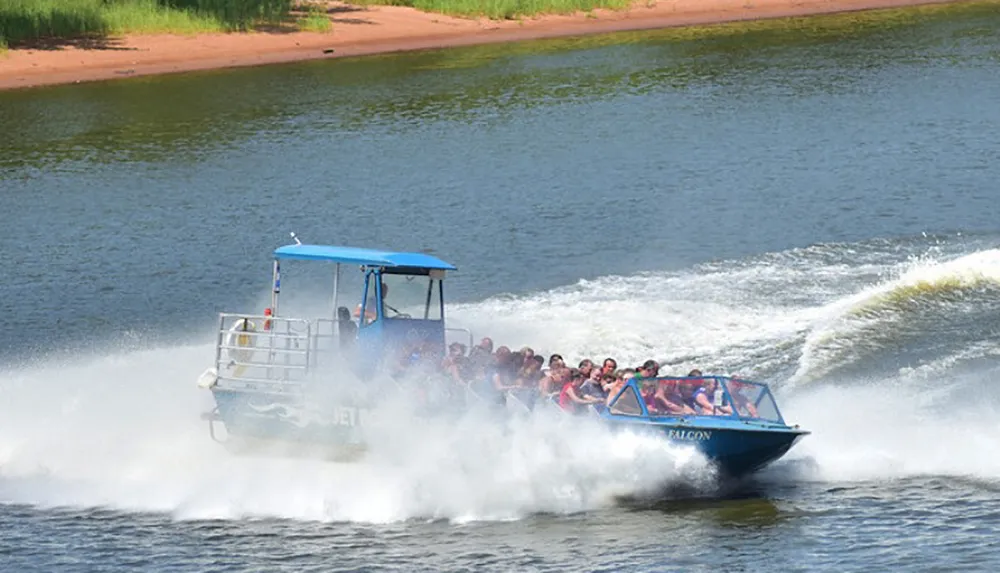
{"points": [[371, 311]]}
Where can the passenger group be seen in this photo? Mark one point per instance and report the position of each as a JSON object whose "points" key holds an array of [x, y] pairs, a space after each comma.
{"points": [[496, 374]]}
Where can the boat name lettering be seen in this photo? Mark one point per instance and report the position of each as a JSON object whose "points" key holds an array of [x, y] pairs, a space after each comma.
{"points": [[695, 435], [349, 416]]}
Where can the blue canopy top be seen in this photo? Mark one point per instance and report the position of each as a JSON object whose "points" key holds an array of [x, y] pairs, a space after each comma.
{"points": [[352, 255]]}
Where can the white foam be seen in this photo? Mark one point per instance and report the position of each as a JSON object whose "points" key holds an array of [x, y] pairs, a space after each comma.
{"points": [[123, 431], [890, 430], [837, 323]]}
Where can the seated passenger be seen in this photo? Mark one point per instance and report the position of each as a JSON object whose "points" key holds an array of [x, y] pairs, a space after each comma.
{"points": [[738, 392], [486, 345], [538, 360], [570, 398], [516, 363], [482, 351], [483, 390], [670, 400], [529, 354], [609, 366], [531, 373], [476, 378], [504, 371], [620, 379], [592, 386], [586, 366], [695, 394], [649, 369], [493, 368], [647, 389], [706, 400], [607, 383], [501, 355], [526, 382], [455, 350], [553, 382], [455, 362], [556, 362], [469, 370], [479, 356]]}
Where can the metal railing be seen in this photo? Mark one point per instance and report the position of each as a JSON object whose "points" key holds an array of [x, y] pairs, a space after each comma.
{"points": [[275, 354], [262, 352], [467, 336], [325, 339]]}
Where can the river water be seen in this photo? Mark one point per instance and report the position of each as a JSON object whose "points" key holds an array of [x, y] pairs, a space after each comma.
{"points": [[809, 202]]}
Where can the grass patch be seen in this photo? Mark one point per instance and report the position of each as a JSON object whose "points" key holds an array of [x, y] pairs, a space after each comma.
{"points": [[506, 9], [23, 21], [315, 18], [236, 14], [147, 16]]}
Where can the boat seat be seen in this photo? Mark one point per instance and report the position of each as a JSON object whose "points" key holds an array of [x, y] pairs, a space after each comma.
{"points": [[347, 330]]}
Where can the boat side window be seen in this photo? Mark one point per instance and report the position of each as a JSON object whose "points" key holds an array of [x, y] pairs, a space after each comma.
{"points": [[433, 309], [412, 297], [627, 403], [766, 408]]}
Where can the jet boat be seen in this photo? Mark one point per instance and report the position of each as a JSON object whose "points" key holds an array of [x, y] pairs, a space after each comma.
{"points": [[274, 386]]}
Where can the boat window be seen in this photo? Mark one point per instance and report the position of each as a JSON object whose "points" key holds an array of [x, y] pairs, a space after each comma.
{"points": [[411, 296], [767, 409], [433, 308], [627, 403], [753, 400]]}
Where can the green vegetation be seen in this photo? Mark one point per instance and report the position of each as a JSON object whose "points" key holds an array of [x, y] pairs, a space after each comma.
{"points": [[315, 18], [54, 21], [506, 9], [24, 21]]}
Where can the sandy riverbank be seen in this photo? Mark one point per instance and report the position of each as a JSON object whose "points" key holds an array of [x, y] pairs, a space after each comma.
{"points": [[376, 29]]}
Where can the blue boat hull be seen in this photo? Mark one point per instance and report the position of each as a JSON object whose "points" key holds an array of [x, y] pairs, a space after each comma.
{"points": [[261, 421], [741, 453], [735, 452], [255, 421]]}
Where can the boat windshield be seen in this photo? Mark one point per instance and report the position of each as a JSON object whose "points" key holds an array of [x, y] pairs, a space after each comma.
{"points": [[752, 400], [412, 296], [627, 403], [701, 396]]}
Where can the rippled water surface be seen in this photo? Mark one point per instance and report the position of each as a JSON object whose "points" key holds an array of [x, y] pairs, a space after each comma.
{"points": [[811, 202]]}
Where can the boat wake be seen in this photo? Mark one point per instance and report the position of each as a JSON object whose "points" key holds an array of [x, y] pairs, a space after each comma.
{"points": [[897, 428], [931, 308], [123, 432], [886, 351]]}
